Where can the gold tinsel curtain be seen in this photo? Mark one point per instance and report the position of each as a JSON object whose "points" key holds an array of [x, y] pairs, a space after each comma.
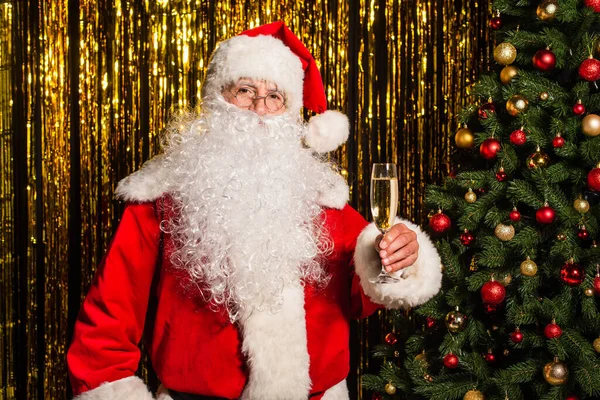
{"points": [[86, 86]]}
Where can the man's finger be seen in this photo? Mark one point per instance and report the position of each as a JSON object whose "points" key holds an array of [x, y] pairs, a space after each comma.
{"points": [[407, 262], [392, 234], [406, 251], [401, 240]]}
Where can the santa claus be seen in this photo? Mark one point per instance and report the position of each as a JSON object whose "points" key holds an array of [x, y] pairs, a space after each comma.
{"points": [[237, 254]]}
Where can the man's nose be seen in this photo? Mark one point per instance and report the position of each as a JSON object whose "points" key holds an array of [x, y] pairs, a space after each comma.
{"points": [[258, 106]]}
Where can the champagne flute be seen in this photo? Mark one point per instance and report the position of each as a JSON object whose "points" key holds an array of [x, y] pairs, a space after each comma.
{"points": [[384, 206]]}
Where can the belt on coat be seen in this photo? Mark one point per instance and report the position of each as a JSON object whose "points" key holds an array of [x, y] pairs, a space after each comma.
{"points": [[188, 396]]}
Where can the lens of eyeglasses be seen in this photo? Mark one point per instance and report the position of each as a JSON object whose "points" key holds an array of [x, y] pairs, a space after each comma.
{"points": [[273, 100]]}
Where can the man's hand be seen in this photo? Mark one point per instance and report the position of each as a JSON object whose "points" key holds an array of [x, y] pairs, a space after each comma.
{"points": [[398, 249]]}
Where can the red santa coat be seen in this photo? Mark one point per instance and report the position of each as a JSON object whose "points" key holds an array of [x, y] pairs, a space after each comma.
{"points": [[195, 349]]}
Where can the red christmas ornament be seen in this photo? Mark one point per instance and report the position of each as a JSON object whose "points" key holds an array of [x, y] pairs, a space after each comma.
{"points": [[593, 180], [430, 322], [493, 292], [544, 60], [572, 397], [572, 274], [593, 4], [391, 339], [578, 108], [583, 233], [558, 141], [545, 215], [590, 69], [501, 175], [489, 148], [597, 284], [486, 109], [515, 215], [440, 222], [518, 137], [481, 191], [552, 330], [450, 361], [377, 396], [496, 23], [516, 336], [490, 357], [490, 308], [467, 238]]}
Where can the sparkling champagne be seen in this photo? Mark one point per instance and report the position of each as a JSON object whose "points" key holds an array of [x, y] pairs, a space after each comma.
{"points": [[384, 201]]}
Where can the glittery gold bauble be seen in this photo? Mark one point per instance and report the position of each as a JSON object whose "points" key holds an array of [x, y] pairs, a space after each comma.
{"points": [[596, 344], [390, 388], [422, 359], [547, 9], [591, 125], [456, 321], [528, 267], [504, 232], [589, 292], [561, 237], [581, 205], [471, 196], [505, 53], [464, 138], [544, 96], [506, 280], [539, 159], [428, 377], [474, 395], [516, 105], [556, 373], [507, 73]]}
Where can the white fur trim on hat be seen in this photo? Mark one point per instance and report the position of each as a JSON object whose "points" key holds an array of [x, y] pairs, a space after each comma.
{"points": [[130, 388], [259, 57], [420, 282], [327, 131], [338, 391]]}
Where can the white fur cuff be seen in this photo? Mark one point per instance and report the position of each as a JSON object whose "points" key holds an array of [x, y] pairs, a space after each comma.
{"points": [[130, 388], [337, 392], [420, 282]]}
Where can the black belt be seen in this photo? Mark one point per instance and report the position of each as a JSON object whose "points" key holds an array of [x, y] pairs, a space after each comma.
{"points": [[188, 396]]}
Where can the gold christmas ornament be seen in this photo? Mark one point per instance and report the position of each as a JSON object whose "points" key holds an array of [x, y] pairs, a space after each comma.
{"points": [[516, 105], [596, 344], [547, 9], [561, 237], [390, 388], [504, 232], [508, 73], [581, 205], [528, 267], [505, 53], [591, 125], [456, 321], [544, 96], [556, 373], [539, 159], [464, 138], [471, 196], [396, 354], [506, 352], [589, 292], [474, 395], [506, 280], [422, 359]]}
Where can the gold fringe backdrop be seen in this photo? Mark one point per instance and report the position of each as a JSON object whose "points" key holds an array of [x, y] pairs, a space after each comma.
{"points": [[86, 87]]}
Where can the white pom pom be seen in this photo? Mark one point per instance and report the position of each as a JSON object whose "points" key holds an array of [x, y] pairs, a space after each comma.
{"points": [[327, 131]]}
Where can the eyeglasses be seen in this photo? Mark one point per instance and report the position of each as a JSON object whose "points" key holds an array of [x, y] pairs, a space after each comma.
{"points": [[246, 96]]}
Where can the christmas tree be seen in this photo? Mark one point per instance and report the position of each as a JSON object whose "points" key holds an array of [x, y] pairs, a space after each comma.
{"points": [[516, 226]]}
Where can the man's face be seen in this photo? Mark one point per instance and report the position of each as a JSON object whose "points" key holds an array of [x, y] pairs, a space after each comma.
{"points": [[262, 97]]}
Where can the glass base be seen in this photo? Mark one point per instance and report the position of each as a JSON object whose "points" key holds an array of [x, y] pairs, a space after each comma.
{"points": [[384, 278]]}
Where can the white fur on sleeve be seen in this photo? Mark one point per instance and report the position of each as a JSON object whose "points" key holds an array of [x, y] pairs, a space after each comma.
{"points": [[130, 388], [420, 282], [338, 391]]}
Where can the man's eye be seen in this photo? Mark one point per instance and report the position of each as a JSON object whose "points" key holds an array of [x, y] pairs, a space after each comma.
{"points": [[275, 96], [244, 90]]}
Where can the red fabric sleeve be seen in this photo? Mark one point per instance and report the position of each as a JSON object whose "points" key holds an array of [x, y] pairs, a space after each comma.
{"points": [[361, 305], [111, 320]]}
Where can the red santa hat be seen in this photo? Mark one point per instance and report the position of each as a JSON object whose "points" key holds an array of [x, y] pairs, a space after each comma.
{"points": [[272, 52]]}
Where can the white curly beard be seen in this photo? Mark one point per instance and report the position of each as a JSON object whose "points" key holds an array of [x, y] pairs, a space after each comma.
{"points": [[246, 195]]}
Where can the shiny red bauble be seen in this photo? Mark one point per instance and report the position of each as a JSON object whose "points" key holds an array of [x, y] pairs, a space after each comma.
{"points": [[590, 69], [496, 23], [391, 339], [544, 60], [597, 284], [450, 361], [501, 175], [490, 357], [578, 108], [430, 322], [558, 142], [440, 223], [516, 336], [493, 292], [572, 397], [489, 148], [572, 274], [583, 234], [485, 110], [593, 180], [552, 330], [593, 4], [377, 396], [545, 215], [518, 137], [467, 238], [515, 216]]}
